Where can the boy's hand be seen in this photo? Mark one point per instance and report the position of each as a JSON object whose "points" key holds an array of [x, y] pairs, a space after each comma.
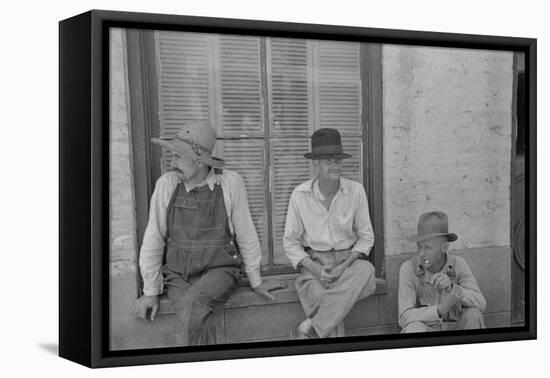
{"points": [[442, 282]]}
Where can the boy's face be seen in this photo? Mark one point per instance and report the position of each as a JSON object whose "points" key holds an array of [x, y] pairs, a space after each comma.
{"points": [[432, 251]]}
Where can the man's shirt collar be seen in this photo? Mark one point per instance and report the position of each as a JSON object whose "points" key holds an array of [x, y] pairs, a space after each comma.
{"points": [[213, 178], [313, 184]]}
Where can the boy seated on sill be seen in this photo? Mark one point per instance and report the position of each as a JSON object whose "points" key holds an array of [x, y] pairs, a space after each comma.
{"points": [[437, 291]]}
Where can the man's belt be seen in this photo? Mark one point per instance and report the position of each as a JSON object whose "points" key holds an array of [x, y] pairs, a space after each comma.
{"points": [[309, 249]]}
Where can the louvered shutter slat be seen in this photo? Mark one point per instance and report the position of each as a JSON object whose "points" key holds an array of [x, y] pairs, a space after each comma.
{"points": [[240, 88], [340, 103], [289, 97], [290, 169], [340, 87], [184, 94], [311, 84], [246, 157]]}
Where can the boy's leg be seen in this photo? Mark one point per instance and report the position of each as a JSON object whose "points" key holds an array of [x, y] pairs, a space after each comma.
{"points": [[470, 318]]}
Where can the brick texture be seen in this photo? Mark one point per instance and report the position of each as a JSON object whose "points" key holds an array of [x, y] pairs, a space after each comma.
{"points": [[123, 244], [447, 143]]}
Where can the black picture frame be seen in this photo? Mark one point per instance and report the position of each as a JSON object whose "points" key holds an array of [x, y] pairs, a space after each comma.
{"points": [[84, 207]]}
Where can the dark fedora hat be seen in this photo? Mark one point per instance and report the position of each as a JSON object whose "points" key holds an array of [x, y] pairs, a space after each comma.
{"points": [[326, 144], [432, 224]]}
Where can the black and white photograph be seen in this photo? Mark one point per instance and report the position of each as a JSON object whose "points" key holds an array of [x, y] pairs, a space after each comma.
{"points": [[266, 188], [218, 189]]}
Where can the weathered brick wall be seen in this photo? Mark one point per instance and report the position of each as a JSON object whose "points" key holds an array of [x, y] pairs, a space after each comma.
{"points": [[121, 193], [447, 143]]}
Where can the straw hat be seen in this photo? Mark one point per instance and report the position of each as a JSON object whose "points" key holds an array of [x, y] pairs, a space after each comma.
{"points": [[195, 139]]}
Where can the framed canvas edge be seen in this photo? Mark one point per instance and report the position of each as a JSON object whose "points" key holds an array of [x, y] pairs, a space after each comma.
{"points": [[96, 283], [303, 30], [75, 185], [347, 344]]}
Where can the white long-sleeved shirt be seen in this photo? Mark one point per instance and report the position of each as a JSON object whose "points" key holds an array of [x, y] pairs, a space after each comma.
{"points": [[240, 223], [466, 290], [310, 224]]}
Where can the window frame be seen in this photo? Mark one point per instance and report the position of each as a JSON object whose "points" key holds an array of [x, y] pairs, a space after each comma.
{"points": [[143, 79]]}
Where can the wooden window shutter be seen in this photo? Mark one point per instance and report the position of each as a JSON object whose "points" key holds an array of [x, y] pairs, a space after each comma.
{"points": [[338, 99], [246, 156], [290, 169], [217, 78], [241, 122], [313, 84], [240, 87], [289, 101], [184, 78], [290, 104], [310, 84]]}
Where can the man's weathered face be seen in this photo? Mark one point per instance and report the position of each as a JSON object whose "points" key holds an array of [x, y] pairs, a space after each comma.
{"points": [[432, 251], [186, 167], [329, 169]]}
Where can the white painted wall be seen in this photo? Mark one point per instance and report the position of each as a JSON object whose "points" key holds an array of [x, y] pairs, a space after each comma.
{"points": [[447, 143]]}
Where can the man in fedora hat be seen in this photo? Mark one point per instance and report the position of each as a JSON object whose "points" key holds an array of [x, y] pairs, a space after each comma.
{"points": [[437, 291], [198, 236], [328, 235]]}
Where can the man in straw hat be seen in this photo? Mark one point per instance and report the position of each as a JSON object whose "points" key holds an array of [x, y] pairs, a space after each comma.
{"points": [[198, 216], [328, 235], [437, 291]]}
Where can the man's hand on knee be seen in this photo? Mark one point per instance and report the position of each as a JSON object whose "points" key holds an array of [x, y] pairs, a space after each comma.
{"points": [[336, 272], [143, 304], [314, 268]]}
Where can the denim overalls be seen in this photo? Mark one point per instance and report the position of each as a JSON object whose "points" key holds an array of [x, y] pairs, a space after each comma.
{"points": [[199, 237], [428, 295], [202, 264]]}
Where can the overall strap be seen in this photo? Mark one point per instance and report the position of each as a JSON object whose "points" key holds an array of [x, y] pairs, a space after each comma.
{"points": [[173, 197], [451, 266]]}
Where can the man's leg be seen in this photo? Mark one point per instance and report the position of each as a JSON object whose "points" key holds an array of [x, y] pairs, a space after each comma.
{"points": [[470, 318], [310, 290], [327, 307], [196, 302]]}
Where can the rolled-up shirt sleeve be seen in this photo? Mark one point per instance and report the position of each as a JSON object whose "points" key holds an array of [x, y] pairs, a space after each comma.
{"points": [[406, 300], [152, 248], [245, 232], [467, 287], [294, 230], [362, 223]]}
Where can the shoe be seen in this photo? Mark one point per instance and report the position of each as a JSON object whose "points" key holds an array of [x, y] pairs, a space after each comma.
{"points": [[296, 334]]}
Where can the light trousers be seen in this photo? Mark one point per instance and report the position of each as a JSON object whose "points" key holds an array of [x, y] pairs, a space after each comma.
{"points": [[328, 304]]}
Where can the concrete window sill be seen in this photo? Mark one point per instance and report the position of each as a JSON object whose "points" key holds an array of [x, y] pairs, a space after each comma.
{"points": [[245, 296]]}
